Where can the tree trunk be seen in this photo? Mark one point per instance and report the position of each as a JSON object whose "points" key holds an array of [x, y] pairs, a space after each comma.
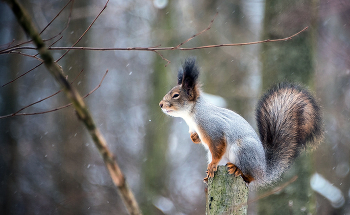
{"points": [[71, 178], [226, 194], [155, 167], [10, 200]]}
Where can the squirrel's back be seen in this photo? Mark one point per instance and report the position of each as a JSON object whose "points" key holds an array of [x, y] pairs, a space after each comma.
{"points": [[222, 120], [288, 120]]}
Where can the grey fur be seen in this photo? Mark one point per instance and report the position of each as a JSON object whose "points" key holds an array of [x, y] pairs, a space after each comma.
{"points": [[244, 146], [288, 119]]}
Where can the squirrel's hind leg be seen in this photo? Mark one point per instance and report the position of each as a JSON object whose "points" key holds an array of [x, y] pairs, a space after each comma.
{"points": [[234, 170]]}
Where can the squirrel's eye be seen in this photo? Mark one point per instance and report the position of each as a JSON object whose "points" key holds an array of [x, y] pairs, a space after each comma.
{"points": [[176, 95]]}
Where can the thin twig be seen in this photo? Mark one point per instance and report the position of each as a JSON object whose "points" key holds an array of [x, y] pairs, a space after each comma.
{"points": [[23, 74], [56, 41], [52, 110], [98, 15], [11, 43], [168, 61], [27, 55], [65, 27], [244, 44], [98, 86], [209, 26], [16, 113], [59, 13], [275, 190], [7, 45], [178, 46]]}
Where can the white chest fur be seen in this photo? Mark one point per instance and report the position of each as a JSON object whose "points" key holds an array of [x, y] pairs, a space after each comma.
{"points": [[193, 127], [191, 124]]}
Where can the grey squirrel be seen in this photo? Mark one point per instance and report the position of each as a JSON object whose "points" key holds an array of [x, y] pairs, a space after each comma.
{"points": [[288, 120]]}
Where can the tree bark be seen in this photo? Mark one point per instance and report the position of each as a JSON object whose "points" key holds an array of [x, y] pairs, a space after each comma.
{"points": [[226, 194]]}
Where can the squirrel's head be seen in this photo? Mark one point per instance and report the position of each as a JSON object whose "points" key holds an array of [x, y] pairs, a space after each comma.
{"points": [[181, 98]]}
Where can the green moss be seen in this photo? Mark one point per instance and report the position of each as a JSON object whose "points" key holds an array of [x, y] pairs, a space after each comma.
{"points": [[226, 194]]}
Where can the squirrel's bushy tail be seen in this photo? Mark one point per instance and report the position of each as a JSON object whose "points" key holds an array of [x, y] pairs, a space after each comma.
{"points": [[288, 120]]}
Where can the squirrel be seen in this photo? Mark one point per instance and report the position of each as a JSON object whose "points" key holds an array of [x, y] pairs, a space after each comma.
{"points": [[288, 119]]}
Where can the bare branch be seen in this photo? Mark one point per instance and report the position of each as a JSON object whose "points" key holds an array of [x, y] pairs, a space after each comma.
{"points": [[244, 44], [178, 46], [7, 45], [27, 55], [15, 79], [55, 109], [168, 61], [24, 114], [17, 47], [23, 74], [98, 15], [67, 24], [171, 48], [56, 41], [98, 86], [80, 107], [154, 48], [209, 26], [11, 48], [157, 48], [58, 15], [275, 190]]}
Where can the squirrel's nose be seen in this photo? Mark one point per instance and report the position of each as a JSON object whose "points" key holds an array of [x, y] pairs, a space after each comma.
{"points": [[161, 104]]}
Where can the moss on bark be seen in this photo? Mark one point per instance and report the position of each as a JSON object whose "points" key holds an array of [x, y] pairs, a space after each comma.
{"points": [[226, 194]]}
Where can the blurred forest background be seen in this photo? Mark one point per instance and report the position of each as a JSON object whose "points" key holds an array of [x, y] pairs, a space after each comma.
{"points": [[48, 163]]}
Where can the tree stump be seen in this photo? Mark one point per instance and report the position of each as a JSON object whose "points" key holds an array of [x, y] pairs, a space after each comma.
{"points": [[227, 194]]}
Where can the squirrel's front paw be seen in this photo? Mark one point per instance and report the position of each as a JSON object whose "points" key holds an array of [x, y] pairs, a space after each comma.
{"points": [[205, 180], [212, 168], [195, 138]]}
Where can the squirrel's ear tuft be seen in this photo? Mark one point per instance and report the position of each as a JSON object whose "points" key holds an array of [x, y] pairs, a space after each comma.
{"points": [[190, 73], [188, 77], [180, 76]]}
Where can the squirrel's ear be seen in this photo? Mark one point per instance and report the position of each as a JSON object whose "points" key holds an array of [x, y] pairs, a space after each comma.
{"points": [[189, 74]]}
